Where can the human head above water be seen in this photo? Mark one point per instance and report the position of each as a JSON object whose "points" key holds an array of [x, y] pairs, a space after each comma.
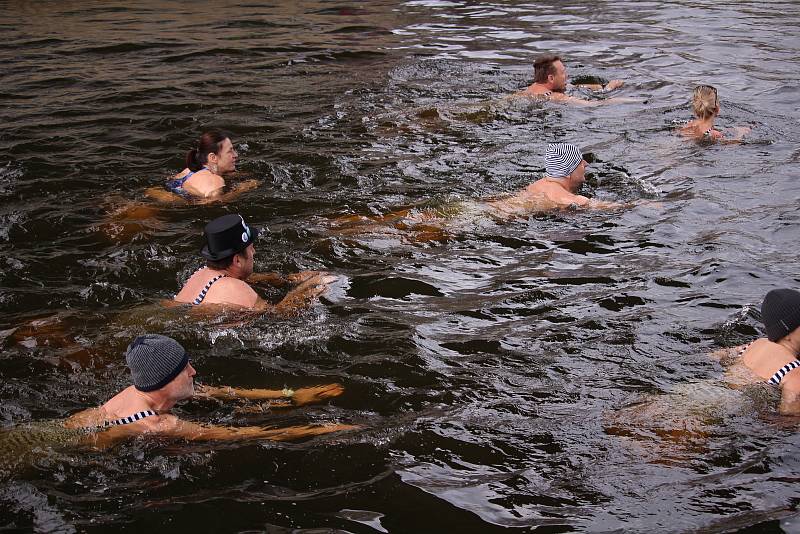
{"points": [[550, 65], [780, 312], [155, 361], [214, 149], [226, 237], [561, 159], [705, 102]]}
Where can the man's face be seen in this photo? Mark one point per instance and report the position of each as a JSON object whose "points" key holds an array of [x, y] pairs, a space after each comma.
{"points": [[560, 77], [247, 259], [578, 176], [226, 157], [182, 386]]}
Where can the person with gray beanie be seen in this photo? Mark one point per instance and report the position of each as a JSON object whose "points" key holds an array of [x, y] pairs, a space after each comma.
{"points": [[162, 375], [773, 359]]}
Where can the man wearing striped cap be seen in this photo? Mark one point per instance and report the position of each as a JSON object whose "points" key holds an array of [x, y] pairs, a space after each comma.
{"points": [[162, 375], [564, 174]]}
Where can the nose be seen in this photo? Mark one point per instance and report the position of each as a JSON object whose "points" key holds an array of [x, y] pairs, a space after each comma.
{"points": [[191, 369]]}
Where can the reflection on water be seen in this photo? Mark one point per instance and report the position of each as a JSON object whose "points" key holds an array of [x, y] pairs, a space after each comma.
{"points": [[534, 372]]}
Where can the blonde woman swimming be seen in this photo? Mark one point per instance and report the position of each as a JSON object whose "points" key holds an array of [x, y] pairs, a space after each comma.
{"points": [[705, 105]]}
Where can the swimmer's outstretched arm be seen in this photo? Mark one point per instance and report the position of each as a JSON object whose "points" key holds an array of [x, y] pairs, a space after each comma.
{"points": [[197, 432], [159, 194], [298, 397], [276, 280], [238, 189], [790, 403], [301, 296], [727, 352], [610, 86]]}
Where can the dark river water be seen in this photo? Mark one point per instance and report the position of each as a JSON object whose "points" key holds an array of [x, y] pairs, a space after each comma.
{"points": [[545, 373]]}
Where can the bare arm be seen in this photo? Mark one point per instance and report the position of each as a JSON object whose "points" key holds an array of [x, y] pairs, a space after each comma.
{"points": [[196, 432], [162, 195], [303, 294], [610, 86], [299, 397], [272, 279], [790, 402], [238, 189], [727, 352]]}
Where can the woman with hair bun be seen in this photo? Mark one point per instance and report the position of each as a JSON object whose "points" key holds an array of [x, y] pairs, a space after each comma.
{"points": [[705, 105], [212, 157]]}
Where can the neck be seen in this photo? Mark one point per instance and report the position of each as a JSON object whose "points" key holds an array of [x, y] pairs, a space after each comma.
{"points": [[156, 401], [544, 87], [790, 344], [564, 182], [706, 123]]}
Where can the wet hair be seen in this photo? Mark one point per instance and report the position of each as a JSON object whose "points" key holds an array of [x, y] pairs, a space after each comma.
{"points": [[209, 143], [543, 67], [224, 263], [704, 101]]}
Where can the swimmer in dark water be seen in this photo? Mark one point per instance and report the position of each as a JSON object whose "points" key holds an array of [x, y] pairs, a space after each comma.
{"points": [[550, 83], [226, 278], [565, 171], [163, 375], [705, 105], [757, 377], [212, 157], [773, 359], [200, 182]]}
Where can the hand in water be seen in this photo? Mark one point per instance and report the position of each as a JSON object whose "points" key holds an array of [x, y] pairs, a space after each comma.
{"points": [[614, 84], [316, 394], [247, 185], [302, 276]]}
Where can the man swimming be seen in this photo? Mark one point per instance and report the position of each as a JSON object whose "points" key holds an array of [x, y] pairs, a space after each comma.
{"points": [[162, 376], [228, 273], [565, 171], [550, 83]]}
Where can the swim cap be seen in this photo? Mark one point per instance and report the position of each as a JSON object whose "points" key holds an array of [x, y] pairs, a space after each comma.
{"points": [[155, 361], [561, 159], [780, 312]]}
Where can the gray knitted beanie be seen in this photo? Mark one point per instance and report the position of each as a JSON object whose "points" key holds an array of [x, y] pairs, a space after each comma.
{"points": [[155, 360], [780, 312]]}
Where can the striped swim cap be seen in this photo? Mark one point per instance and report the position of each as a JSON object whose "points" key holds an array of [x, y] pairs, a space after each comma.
{"points": [[561, 159]]}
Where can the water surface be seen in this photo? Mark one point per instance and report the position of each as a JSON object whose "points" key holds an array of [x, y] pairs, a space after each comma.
{"points": [[497, 368]]}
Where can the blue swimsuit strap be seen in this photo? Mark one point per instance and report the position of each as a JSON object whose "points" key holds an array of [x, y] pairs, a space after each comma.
{"points": [[202, 294], [778, 376], [178, 182]]}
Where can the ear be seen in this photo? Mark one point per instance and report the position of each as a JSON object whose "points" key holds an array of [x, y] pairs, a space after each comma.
{"points": [[212, 158]]}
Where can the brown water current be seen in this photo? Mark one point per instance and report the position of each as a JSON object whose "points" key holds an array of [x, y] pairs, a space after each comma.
{"points": [[547, 372]]}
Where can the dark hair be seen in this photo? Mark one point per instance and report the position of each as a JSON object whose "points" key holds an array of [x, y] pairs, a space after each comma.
{"points": [[209, 143], [544, 67], [224, 263]]}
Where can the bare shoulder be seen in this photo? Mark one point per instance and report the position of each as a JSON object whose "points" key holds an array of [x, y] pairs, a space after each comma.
{"points": [[84, 418], [233, 291], [791, 382]]}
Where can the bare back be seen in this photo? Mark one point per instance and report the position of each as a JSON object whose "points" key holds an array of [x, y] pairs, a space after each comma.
{"points": [[202, 183], [224, 290], [762, 359]]}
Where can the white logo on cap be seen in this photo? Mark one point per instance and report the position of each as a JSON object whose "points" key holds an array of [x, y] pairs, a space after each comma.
{"points": [[246, 233]]}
